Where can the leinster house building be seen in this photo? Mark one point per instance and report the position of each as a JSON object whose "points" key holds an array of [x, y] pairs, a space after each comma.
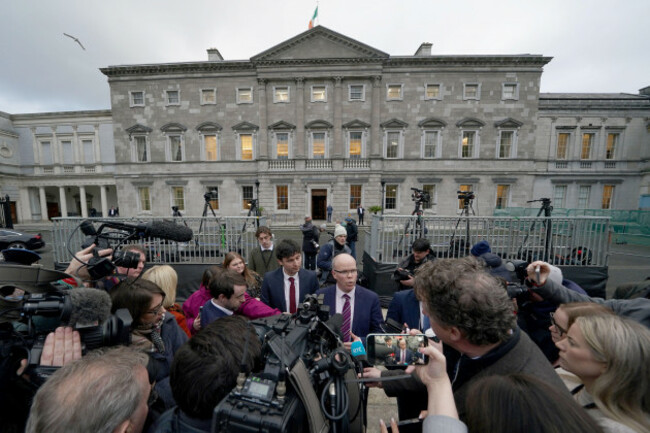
{"points": [[324, 119]]}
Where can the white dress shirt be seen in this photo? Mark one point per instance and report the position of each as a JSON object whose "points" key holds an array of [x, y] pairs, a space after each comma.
{"points": [[287, 287], [340, 302]]}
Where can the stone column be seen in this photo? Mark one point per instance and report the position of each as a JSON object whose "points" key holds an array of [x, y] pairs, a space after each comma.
{"points": [[43, 202], [300, 118], [76, 146], [57, 154], [82, 200], [24, 205], [338, 145], [262, 139], [375, 137], [102, 194], [63, 202]]}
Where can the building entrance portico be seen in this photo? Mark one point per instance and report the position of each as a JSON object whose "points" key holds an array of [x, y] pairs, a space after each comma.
{"points": [[318, 204]]}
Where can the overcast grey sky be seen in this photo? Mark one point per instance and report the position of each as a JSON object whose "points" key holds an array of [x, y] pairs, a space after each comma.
{"points": [[597, 45]]}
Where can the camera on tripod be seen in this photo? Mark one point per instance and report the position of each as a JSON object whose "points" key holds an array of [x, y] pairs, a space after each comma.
{"points": [[211, 195], [466, 195], [420, 196]]}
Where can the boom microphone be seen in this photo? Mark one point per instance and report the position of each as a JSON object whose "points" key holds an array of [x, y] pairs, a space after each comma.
{"points": [[89, 307], [155, 229]]}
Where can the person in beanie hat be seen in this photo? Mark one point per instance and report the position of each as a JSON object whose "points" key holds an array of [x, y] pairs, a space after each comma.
{"points": [[480, 248], [331, 249]]}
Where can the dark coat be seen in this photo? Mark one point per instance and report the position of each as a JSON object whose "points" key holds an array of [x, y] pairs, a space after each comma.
{"points": [[273, 287], [405, 308], [310, 235]]}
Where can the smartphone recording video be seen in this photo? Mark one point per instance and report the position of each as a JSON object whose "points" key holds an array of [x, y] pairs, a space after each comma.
{"points": [[396, 350]]}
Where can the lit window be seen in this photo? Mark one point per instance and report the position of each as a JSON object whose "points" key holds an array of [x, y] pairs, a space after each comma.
{"points": [[212, 195], [173, 97], [559, 196], [583, 196], [612, 144], [431, 190], [89, 151], [247, 197], [432, 91], [145, 199], [175, 148], [282, 144], [281, 94], [430, 144], [137, 99], [208, 96], [178, 197], [394, 91], [282, 197], [471, 91], [318, 93], [467, 144], [141, 149], [318, 145], [245, 95], [463, 188], [355, 144], [608, 196], [506, 141], [357, 92], [391, 197], [503, 191], [355, 196], [587, 144], [392, 144], [210, 147], [510, 91], [562, 145], [246, 145]]}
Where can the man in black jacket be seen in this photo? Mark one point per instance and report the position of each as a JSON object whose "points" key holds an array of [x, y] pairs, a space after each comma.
{"points": [[478, 329], [353, 235], [310, 235], [421, 254]]}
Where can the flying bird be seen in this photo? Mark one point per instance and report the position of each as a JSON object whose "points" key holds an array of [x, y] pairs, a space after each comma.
{"points": [[75, 39]]}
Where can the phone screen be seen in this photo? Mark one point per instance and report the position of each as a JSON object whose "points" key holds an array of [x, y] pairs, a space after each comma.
{"points": [[396, 350]]}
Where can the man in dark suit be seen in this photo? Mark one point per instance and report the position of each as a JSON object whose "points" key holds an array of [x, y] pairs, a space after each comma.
{"points": [[227, 291], [287, 286], [405, 308], [403, 355], [362, 304]]}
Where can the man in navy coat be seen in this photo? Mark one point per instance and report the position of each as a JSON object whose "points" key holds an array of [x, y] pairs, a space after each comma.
{"points": [[366, 317], [405, 308], [287, 286]]}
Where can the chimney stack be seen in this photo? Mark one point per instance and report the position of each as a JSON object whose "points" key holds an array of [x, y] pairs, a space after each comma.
{"points": [[424, 50], [214, 55]]}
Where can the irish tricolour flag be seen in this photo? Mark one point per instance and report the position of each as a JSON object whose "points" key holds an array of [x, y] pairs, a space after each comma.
{"points": [[313, 19]]}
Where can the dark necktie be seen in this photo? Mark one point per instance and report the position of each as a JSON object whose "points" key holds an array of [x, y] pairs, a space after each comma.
{"points": [[292, 295], [347, 319], [425, 322]]}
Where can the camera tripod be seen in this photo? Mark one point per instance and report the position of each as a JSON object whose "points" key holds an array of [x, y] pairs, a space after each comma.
{"points": [[548, 225], [207, 206], [454, 250], [419, 230], [252, 211]]}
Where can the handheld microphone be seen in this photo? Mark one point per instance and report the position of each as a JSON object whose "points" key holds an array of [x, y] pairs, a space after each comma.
{"points": [[155, 229], [89, 307], [359, 353]]}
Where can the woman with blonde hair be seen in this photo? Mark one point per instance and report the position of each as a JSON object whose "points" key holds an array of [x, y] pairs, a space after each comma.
{"points": [[236, 262], [167, 279], [611, 357]]}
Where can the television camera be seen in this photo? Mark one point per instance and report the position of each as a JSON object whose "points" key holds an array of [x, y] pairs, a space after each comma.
{"points": [[466, 195], [308, 382], [420, 196]]}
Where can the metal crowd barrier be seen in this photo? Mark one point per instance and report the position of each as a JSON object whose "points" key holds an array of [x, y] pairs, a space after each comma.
{"points": [[580, 241], [213, 238]]}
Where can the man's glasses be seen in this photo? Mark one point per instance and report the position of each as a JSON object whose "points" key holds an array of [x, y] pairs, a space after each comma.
{"points": [[560, 330], [349, 272]]}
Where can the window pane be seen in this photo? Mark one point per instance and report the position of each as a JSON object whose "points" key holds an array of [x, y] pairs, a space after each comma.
{"points": [[467, 145], [68, 155], [172, 96], [283, 145], [505, 146], [391, 197], [612, 144], [208, 96], [356, 92], [318, 144], [394, 92], [583, 196], [178, 197], [433, 91], [509, 91], [89, 151], [245, 95], [608, 195], [503, 191], [318, 93], [212, 196], [392, 144], [431, 190], [137, 98], [355, 144], [247, 195], [175, 146], [562, 145], [282, 94], [145, 200], [464, 188], [587, 143], [210, 143], [355, 196], [282, 193], [246, 141], [471, 91], [141, 149], [46, 153], [559, 194], [430, 143]]}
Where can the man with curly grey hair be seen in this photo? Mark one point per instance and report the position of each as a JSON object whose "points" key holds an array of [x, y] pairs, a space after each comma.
{"points": [[471, 313], [105, 391]]}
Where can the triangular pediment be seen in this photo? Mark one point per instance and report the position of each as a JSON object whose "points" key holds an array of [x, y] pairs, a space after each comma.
{"points": [[282, 125], [209, 127], [394, 124], [245, 126], [508, 123], [356, 124], [319, 43], [138, 129]]}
